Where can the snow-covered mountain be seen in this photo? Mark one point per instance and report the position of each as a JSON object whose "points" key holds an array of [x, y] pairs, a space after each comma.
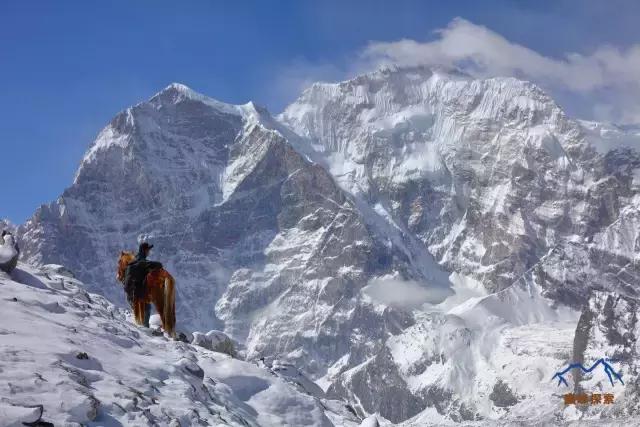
{"points": [[487, 174], [420, 243]]}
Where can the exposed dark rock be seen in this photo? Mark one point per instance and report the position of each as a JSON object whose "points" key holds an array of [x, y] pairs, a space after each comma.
{"points": [[502, 395]]}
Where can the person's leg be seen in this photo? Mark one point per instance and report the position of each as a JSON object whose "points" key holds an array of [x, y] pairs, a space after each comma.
{"points": [[147, 315]]}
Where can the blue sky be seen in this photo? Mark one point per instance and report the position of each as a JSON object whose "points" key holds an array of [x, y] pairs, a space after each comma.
{"points": [[67, 67]]}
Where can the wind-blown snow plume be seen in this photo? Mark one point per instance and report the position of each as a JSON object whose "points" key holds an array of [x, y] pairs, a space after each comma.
{"points": [[482, 52]]}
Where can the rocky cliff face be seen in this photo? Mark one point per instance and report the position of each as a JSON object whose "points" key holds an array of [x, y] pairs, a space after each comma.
{"points": [[488, 175], [475, 209]]}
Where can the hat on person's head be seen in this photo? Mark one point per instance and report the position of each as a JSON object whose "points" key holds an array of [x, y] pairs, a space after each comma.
{"points": [[144, 246]]}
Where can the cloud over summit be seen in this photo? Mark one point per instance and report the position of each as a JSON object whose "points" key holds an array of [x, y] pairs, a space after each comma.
{"points": [[608, 77]]}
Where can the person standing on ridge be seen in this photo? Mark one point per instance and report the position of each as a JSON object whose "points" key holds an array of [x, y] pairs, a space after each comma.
{"points": [[135, 275]]}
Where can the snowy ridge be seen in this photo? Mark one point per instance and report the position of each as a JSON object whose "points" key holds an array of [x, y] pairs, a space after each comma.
{"points": [[179, 92], [79, 357]]}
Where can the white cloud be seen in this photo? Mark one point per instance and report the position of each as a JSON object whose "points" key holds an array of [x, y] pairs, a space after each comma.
{"points": [[609, 77], [602, 85], [394, 291]]}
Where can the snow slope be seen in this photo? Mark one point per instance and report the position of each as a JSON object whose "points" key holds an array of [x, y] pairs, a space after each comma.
{"points": [[130, 376]]}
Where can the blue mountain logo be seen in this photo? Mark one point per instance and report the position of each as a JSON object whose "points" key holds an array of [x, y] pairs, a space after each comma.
{"points": [[608, 369]]}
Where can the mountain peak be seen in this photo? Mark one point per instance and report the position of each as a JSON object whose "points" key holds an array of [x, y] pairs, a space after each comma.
{"points": [[179, 87], [152, 115], [178, 92], [393, 92]]}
